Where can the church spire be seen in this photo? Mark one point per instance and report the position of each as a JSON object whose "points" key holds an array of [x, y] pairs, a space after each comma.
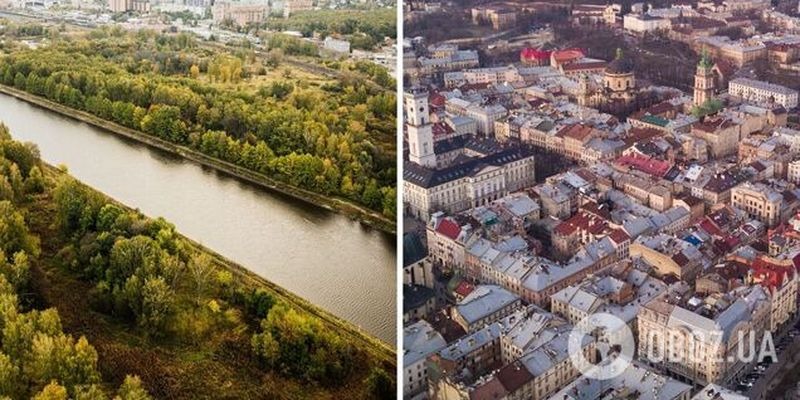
{"points": [[705, 60]]}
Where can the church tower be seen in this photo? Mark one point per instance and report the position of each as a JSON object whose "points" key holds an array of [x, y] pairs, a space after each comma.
{"points": [[583, 90], [704, 80], [420, 130]]}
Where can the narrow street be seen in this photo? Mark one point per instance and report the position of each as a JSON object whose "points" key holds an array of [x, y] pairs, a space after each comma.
{"points": [[781, 373]]}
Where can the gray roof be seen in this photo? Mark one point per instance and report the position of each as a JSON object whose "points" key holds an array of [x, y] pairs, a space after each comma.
{"points": [[772, 87], [419, 341], [484, 301], [648, 384], [427, 178]]}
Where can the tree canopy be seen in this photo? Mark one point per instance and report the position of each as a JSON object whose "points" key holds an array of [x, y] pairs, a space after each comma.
{"points": [[336, 140]]}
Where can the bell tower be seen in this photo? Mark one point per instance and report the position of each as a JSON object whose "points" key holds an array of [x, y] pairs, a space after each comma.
{"points": [[419, 128], [704, 80], [583, 90]]}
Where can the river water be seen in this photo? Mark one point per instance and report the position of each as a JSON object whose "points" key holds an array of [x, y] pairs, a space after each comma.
{"points": [[324, 257]]}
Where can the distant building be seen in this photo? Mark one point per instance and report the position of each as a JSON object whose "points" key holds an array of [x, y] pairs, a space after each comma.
{"points": [[763, 92], [500, 18], [641, 23], [336, 45], [536, 57], [704, 81], [445, 58], [120, 6], [294, 6], [240, 13]]}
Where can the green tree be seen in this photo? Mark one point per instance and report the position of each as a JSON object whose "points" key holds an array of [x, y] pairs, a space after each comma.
{"points": [[35, 182], [131, 389], [53, 391], [10, 378], [165, 122], [157, 302], [14, 234], [380, 385]]}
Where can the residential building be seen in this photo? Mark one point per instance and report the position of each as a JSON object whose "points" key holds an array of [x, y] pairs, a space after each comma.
{"points": [[761, 92], [636, 382], [641, 23], [240, 14], [759, 201], [698, 339], [294, 6], [419, 341], [485, 305]]}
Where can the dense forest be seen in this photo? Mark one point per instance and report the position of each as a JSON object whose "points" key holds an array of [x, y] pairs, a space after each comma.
{"points": [[159, 307], [37, 358], [334, 137]]}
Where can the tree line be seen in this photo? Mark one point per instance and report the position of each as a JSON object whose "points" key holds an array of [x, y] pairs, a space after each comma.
{"points": [[146, 275], [364, 29], [335, 140], [37, 359]]}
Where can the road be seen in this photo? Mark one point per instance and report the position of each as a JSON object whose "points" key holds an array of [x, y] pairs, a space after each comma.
{"points": [[788, 360]]}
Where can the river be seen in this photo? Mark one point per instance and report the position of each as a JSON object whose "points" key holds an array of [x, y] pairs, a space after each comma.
{"points": [[326, 258]]}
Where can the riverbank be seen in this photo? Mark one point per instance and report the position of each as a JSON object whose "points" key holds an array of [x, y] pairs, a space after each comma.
{"points": [[114, 340], [367, 217]]}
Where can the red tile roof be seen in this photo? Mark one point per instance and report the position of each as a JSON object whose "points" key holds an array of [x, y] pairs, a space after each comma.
{"points": [[650, 166], [491, 390], [768, 274], [680, 259], [583, 221], [567, 55], [436, 99], [640, 134], [441, 129], [712, 125], [710, 227], [464, 289], [449, 228], [513, 376], [576, 131], [619, 236], [529, 53]]}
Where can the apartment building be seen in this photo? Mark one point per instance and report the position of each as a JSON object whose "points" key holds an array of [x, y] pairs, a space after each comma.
{"points": [[720, 133], [637, 381], [698, 339], [419, 341], [294, 6], [475, 182], [759, 201], [761, 92], [532, 345], [240, 14], [641, 23], [486, 305], [621, 293]]}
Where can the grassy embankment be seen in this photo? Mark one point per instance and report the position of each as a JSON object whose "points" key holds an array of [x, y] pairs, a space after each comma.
{"points": [[340, 205], [219, 366]]}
